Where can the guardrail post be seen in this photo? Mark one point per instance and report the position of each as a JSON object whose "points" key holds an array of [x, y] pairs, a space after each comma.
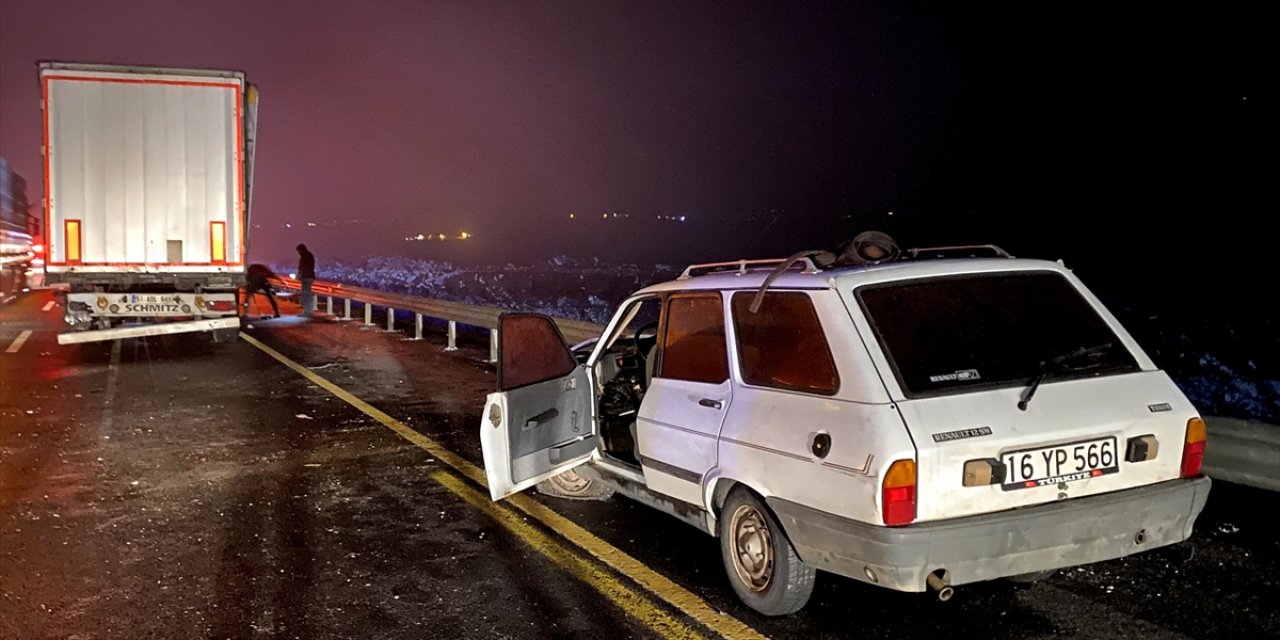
{"points": [[328, 305], [453, 337], [368, 313], [417, 326], [346, 304], [493, 345], [391, 319]]}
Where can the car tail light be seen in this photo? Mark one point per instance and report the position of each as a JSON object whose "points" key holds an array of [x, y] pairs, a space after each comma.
{"points": [[899, 493], [220, 305], [1193, 448]]}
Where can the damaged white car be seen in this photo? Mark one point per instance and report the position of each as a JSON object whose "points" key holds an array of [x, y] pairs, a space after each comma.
{"points": [[915, 420]]}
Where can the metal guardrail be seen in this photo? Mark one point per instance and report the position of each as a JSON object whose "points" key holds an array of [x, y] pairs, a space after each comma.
{"points": [[1243, 452], [455, 313], [1238, 451]]}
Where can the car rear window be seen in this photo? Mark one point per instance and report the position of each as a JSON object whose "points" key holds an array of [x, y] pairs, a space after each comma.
{"points": [[984, 330], [783, 345]]}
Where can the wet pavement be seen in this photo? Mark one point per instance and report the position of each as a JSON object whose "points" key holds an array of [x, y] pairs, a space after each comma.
{"points": [[181, 488]]}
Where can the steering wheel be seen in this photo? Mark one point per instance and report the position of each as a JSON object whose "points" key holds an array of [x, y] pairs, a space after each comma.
{"points": [[644, 343]]}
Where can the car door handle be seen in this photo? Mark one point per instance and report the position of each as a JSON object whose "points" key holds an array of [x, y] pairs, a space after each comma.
{"points": [[708, 402], [541, 418]]}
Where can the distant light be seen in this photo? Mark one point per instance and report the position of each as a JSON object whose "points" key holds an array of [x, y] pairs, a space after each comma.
{"points": [[442, 236], [421, 237], [571, 216], [293, 276], [615, 214], [465, 235], [605, 216], [681, 218], [311, 224], [288, 226], [890, 213]]}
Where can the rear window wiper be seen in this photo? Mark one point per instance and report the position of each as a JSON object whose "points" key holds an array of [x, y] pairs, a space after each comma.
{"points": [[1057, 364]]}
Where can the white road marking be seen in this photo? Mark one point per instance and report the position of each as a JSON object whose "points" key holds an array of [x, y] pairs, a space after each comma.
{"points": [[18, 341], [48, 305]]}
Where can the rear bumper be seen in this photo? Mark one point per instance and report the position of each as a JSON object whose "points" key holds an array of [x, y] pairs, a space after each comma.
{"points": [[163, 328], [972, 549]]}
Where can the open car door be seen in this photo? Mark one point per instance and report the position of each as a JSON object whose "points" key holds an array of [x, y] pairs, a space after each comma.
{"points": [[539, 423]]}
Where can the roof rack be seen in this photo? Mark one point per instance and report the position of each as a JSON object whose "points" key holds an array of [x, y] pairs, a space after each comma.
{"points": [[965, 250], [742, 266]]}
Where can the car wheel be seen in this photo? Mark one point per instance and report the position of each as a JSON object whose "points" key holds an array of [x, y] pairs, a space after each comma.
{"points": [[763, 567], [571, 484], [1034, 576]]}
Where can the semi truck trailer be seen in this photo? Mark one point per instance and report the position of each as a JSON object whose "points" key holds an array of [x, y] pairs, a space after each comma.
{"points": [[148, 184]]}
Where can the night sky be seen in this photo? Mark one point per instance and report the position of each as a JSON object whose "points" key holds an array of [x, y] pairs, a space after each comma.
{"points": [[1077, 133]]}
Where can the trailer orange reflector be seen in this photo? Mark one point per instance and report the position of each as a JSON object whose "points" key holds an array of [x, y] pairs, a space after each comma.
{"points": [[72, 229], [218, 241]]}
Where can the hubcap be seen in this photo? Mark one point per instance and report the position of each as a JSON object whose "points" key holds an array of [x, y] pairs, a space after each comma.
{"points": [[570, 482], [751, 548]]}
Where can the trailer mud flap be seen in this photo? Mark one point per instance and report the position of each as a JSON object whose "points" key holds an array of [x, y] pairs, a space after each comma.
{"points": [[165, 328]]}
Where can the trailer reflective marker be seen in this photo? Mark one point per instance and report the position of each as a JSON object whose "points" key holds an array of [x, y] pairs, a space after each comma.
{"points": [[218, 242], [73, 241]]}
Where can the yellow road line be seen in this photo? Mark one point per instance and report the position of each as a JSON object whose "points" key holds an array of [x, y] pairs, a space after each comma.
{"points": [[682, 599], [624, 597]]}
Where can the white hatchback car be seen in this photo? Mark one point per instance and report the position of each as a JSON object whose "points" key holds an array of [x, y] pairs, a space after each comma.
{"points": [[925, 422]]}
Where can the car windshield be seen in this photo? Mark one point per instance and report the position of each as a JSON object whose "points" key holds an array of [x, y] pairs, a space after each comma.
{"points": [[984, 330]]}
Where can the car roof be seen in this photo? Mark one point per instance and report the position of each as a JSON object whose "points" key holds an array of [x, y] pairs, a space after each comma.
{"points": [[850, 277]]}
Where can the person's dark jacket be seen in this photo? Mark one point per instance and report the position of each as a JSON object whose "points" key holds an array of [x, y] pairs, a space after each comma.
{"points": [[256, 277], [306, 265]]}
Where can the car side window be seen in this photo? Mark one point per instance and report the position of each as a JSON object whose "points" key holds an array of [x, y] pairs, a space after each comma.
{"points": [[783, 345], [693, 341]]}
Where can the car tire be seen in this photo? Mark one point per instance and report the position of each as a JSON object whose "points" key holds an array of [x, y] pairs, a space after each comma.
{"points": [[1033, 577], [762, 565], [570, 484]]}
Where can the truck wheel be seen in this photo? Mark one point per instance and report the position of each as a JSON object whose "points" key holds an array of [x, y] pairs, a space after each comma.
{"points": [[763, 567], [1034, 576], [572, 485], [95, 352], [224, 336]]}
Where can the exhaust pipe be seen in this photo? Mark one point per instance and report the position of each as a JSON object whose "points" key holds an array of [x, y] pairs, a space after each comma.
{"points": [[941, 586]]}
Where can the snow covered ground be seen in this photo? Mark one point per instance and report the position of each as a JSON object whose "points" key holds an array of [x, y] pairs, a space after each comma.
{"points": [[1224, 370]]}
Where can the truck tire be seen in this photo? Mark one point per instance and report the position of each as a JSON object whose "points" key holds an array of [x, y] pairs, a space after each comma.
{"points": [[762, 565], [224, 336], [95, 352]]}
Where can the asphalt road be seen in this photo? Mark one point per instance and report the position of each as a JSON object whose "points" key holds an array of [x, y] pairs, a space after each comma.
{"points": [[181, 488]]}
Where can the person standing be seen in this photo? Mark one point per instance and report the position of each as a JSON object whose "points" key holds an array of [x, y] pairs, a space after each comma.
{"points": [[306, 275]]}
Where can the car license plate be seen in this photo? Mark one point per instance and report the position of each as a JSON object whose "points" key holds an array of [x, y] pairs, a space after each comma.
{"points": [[1048, 466]]}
